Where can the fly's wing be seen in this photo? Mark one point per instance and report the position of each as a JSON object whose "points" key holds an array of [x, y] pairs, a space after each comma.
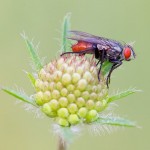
{"points": [[82, 36]]}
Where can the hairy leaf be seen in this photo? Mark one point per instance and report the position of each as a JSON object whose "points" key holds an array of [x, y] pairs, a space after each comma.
{"points": [[31, 77], [21, 96], [33, 53], [65, 29], [115, 121], [121, 95]]}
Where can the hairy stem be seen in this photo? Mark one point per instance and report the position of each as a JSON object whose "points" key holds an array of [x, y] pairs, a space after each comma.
{"points": [[61, 144]]}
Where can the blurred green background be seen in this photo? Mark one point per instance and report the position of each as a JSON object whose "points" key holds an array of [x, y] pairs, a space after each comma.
{"points": [[124, 20]]}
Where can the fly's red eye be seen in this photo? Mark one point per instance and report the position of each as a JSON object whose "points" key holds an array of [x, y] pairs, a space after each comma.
{"points": [[127, 53]]}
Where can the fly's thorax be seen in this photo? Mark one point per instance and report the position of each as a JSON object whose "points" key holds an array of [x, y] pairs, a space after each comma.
{"points": [[114, 54], [102, 47]]}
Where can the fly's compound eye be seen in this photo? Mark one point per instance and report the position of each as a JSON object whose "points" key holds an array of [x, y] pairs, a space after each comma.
{"points": [[127, 53]]}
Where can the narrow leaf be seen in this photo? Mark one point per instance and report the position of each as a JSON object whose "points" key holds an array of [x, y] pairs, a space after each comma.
{"points": [[18, 95], [121, 95], [65, 29], [106, 67], [31, 77], [116, 121], [33, 53]]}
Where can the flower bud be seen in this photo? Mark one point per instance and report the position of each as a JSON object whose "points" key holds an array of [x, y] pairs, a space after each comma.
{"points": [[48, 111], [80, 102], [90, 104], [73, 119], [82, 84], [76, 77], [63, 102], [71, 98], [54, 104], [63, 112], [39, 98], [64, 92], [63, 122], [55, 94], [72, 108], [68, 90], [91, 116], [66, 79], [82, 112]]}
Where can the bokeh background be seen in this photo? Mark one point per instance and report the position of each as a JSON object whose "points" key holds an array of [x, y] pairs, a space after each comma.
{"points": [[124, 20]]}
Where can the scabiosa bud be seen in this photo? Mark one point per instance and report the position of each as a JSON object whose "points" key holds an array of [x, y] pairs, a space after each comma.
{"points": [[69, 91]]}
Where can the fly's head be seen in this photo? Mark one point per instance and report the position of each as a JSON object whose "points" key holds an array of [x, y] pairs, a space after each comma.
{"points": [[128, 52]]}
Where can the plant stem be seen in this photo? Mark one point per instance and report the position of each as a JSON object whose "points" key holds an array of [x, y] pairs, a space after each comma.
{"points": [[61, 144]]}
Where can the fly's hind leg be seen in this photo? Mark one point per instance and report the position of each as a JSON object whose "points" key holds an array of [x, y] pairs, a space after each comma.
{"points": [[83, 52]]}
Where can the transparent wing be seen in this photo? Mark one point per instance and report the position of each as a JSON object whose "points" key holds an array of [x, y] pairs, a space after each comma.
{"points": [[82, 36]]}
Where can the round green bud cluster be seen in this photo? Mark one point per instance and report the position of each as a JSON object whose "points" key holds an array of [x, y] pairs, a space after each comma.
{"points": [[68, 90]]}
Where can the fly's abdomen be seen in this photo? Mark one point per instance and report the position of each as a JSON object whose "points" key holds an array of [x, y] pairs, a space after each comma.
{"points": [[81, 46]]}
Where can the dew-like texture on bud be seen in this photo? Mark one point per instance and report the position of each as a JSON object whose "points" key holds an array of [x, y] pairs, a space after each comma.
{"points": [[82, 112], [63, 101], [63, 112], [64, 92], [90, 104], [66, 79], [73, 108], [48, 111], [63, 122], [68, 90], [54, 104], [82, 84], [91, 116], [39, 98]]}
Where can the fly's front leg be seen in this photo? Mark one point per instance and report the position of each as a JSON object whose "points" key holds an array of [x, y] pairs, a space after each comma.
{"points": [[115, 65], [97, 56]]}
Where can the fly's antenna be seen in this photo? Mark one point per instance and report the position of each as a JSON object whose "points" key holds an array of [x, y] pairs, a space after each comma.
{"points": [[131, 43]]}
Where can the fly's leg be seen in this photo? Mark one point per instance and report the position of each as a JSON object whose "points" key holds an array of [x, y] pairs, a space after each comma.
{"points": [[98, 62], [101, 60], [114, 66], [83, 52], [97, 56]]}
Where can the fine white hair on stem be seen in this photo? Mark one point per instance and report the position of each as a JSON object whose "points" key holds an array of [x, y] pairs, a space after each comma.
{"points": [[26, 106], [116, 92], [36, 111], [66, 133], [110, 109], [103, 129]]}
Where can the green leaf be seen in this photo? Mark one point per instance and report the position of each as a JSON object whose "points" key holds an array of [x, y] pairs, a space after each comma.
{"points": [[18, 95], [31, 77], [33, 53], [121, 95], [116, 121], [65, 29], [106, 67]]}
